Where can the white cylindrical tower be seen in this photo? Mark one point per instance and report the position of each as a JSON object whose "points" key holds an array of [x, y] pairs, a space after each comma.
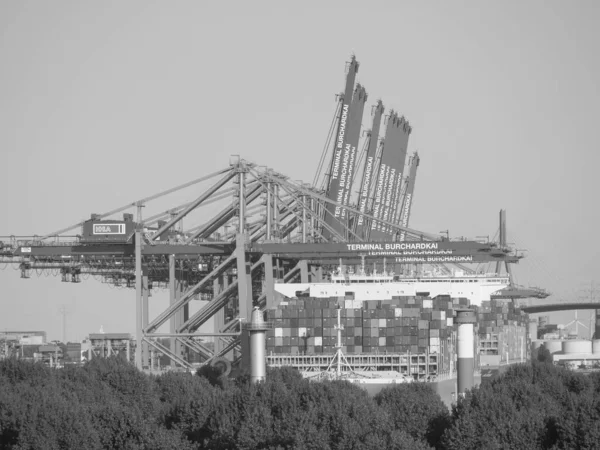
{"points": [[257, 329], [466, 350]]}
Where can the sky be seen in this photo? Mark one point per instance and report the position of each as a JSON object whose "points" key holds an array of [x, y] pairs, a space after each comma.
{"points": [[104, 103]]}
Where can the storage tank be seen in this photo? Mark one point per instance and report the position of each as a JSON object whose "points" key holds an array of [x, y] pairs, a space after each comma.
{"points": [[553, 346], [576, 346], [596, 346]]}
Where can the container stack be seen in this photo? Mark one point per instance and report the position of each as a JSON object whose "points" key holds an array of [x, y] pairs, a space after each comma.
{"points": [[414, 325], [503, 330]]}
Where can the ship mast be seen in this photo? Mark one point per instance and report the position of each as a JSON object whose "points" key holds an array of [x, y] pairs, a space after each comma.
{"points": [[339, 327], [339, 357]]}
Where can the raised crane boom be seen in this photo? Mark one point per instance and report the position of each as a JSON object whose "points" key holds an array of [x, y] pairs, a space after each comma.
{"points": [[410, 190], [344, 155], [366, 183]]}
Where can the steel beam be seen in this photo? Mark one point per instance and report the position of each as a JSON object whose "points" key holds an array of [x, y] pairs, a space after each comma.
{"points": [[172, 301], [214, 305], [139, 307], [409, 231], [269, 234], [244, 274], [269, 280], [142, 201], [165, 315], [303, 266], [219, 285], [210, 191], [173, 356], [191, 344], [145, 315], [224, 216]]}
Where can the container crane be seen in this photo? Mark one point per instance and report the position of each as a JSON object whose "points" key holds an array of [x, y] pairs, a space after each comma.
{"points": [[513, 291], [236, 270]]}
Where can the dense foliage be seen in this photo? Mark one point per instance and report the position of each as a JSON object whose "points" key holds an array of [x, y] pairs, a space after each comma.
{"points": [[530, 406], [108, 404]]}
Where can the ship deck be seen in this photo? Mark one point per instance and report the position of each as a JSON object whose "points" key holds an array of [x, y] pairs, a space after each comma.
{"points": [[417, 366]]}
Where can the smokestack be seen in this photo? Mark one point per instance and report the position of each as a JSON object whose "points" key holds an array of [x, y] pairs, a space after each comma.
{"points": [[466, 347]]}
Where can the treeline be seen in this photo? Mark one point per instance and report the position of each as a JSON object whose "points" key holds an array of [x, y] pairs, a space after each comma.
{"points": [[108, 404]]}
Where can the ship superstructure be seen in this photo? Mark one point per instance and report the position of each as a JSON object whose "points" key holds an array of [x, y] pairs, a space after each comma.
{"points": [[476, 287]]}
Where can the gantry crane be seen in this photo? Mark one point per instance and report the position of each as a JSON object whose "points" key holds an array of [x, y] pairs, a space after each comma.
{"points": [[269, 228], [271, 241]]}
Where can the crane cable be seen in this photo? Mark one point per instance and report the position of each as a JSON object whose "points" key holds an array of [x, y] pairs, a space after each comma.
{"points": [[325, 150]]}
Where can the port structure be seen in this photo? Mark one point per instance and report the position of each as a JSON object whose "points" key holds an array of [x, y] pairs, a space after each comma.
{"points": [[274, 232], [269, 228], [513, 291]]}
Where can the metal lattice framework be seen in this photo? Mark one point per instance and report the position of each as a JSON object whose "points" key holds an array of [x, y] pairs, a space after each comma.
{"points": [[271, 228]]}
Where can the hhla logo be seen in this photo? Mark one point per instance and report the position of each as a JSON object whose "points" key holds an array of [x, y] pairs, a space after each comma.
{"points": [[109, 228]]}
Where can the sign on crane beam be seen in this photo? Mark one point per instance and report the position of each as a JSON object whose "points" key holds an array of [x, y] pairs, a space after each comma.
{"points": [[401, 252], [108, 228]]}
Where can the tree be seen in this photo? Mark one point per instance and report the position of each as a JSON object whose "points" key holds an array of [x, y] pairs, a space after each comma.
{"points": [[416, 409]]}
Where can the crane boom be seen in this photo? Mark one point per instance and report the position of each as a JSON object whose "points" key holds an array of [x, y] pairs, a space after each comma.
{"points": [[390, 168], [408, 197], [395, 205], [348, 132], [369, 168]]}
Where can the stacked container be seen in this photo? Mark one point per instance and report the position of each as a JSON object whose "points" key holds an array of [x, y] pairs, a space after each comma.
{"points": [[413, 325], [503, 330]]}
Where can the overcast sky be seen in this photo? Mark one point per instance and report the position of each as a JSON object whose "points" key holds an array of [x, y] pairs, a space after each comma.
{"points": [[103, 103]]}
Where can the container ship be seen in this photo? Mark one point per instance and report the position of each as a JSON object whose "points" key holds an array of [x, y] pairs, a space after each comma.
{"points": [[392, 328]]}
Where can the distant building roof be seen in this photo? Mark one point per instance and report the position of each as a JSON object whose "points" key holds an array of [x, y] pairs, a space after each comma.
{"points": [[35, 333], [110, 336]]}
